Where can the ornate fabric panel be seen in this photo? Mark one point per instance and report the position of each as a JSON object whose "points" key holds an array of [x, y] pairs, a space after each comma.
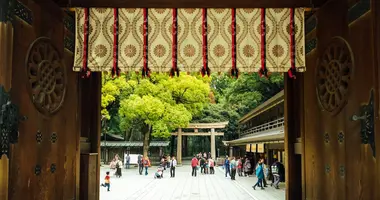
{"points": [[100, 39], [248, 39], [130, 39], [267, 40], [79, 37], [190, 39], [277, 39], [300, 39], [219, 39], [160, 39]]}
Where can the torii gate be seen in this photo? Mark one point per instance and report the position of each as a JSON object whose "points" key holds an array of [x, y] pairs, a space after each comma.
{"points": [[197, 126]]}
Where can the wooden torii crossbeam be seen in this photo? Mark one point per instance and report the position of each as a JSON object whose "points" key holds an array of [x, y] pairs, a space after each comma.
{"points": [[196, 126]]}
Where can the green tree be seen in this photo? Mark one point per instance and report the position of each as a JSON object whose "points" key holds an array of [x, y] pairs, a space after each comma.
{"points": [[236, 97], [161, 104], [111, 89], [249, 91]]}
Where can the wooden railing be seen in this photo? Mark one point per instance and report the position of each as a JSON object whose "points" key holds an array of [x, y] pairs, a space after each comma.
{"points": [[263, 127]]}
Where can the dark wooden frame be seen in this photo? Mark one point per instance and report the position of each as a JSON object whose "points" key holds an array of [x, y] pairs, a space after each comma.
{"points": [[294, 131], [190, 3]]}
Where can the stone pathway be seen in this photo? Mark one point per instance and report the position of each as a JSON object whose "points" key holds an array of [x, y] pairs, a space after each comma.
{"points": [[132, 186]]}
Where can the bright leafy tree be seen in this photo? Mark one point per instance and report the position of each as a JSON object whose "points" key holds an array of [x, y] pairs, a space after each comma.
{"points": [[161, 104]]}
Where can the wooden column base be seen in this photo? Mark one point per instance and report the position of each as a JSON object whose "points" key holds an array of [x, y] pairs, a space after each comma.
{"points": [[4, 170], [6, 50]]}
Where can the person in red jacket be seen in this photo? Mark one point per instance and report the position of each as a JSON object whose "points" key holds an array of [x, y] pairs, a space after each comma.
{"points": [[107, 182], [146, 163], [194, 165]]}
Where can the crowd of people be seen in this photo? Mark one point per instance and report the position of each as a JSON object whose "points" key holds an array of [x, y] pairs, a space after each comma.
{"points": [[203, 161], [243, 167], [275, 172], [116, 165]]}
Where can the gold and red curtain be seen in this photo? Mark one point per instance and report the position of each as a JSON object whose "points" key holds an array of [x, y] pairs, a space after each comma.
{"points": [[189, 40]]}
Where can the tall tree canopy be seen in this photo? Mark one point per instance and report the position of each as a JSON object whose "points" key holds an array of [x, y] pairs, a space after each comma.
{"points": [[161, 104], [236, 97]]}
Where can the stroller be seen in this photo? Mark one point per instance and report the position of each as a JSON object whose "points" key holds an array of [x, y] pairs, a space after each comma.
{"points": [[159, 173]]}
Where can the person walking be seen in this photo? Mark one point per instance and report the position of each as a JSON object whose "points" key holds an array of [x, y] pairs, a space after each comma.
{"points": [[233, 168], [168, 163], [107, 181], [173, 164], [240, 167], [266, 171], [119, 165], [275, 168], [128, 159], [259, 175], [146, 163], [227, 166], [212, 164], [247, 167], [194, 164], [202, 165], [140, 163]]}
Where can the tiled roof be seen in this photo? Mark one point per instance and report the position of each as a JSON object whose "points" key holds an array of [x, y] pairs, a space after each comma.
{"points": [[133, 144]]}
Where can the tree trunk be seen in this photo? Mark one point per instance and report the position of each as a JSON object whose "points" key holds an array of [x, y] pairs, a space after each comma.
{"points": [[172, 140], [146, 131], [184, 151], [128, 134]]}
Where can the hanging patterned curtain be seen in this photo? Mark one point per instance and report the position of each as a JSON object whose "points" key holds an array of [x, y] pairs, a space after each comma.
{"points": [[190, 40]]}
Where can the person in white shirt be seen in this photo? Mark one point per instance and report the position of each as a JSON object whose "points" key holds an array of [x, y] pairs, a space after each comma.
{"points": [[173, 164]]}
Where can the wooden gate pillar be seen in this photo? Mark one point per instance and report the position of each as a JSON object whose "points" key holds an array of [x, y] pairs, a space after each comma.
{"points": [[231, 152], [179, 146], [213, 154], [6, 51]]}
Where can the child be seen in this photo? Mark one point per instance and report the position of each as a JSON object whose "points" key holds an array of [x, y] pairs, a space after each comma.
{"points": [[107, 181], [159, 173]]}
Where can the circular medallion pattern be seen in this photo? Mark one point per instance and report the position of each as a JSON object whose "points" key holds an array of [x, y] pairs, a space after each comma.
{"points": [[248, 51], [189, 50], [46, 76], [333, 75], [130, 50], [219, 50], [100, 50], [159, 50], [278, 50]]}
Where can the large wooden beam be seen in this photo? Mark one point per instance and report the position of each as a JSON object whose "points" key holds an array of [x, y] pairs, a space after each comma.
{"points": [[198, 133], [207, 125], [186, 3]]}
